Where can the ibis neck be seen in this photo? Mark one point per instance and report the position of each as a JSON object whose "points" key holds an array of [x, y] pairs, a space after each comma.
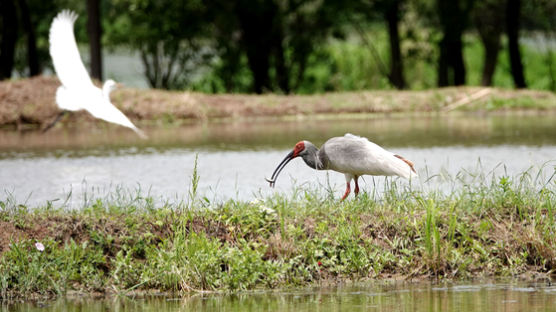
{"points": [[312, 159]]}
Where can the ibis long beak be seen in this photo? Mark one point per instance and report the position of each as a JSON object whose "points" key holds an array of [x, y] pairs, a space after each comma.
{"points": [[278, 169]]}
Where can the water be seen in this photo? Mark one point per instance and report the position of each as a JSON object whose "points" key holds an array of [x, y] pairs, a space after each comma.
{"points": [[234, 158], [371, 297]]}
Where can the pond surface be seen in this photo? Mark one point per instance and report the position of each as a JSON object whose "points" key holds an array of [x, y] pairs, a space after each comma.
{"points": [[234, 158], [384, 297]]}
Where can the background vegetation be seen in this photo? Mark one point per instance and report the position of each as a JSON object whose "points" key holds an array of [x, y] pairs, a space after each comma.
{"points": [[296, 46]]}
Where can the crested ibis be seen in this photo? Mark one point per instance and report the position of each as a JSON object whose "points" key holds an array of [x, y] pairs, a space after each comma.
{"points": [[351, 155]]}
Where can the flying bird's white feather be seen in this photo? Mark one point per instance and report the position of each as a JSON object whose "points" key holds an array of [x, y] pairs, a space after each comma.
{"points": [[64, 52], [77, 90]]}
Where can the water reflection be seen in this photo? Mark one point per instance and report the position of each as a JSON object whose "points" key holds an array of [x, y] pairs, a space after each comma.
{"points": [[234, 158], [370, 297], [437, 130]]}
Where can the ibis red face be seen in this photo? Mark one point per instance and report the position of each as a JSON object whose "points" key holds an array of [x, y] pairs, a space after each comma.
{"points": [[299, 147]]}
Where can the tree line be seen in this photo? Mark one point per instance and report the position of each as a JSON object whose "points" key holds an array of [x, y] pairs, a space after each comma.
{"points": [[268, 45]]}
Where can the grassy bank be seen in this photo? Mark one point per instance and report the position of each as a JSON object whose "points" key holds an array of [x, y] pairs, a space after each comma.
{"points": [[30, 103], [501, 228]]}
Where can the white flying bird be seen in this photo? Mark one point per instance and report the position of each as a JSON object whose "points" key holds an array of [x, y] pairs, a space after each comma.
{"points": [[351, 155], [77, 90]]}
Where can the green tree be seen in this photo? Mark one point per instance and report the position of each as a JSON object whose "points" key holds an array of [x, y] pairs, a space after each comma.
{"points": [[390, 12], [453, 17], [539, 20], [275, 38], [9, 30], [513, 17], [488, 17], [169, 35], [94, 32], [29, 21]]}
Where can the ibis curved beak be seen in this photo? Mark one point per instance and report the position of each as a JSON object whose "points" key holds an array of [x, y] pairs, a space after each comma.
{"points": [[278, 169]]}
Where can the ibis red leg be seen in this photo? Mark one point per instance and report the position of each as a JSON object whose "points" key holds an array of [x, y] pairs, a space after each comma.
{"points": [[348, 190], [356, 191]]}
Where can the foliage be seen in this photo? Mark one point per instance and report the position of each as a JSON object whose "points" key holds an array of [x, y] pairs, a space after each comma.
{"points": [[298, 46], [501, 227], [167, 34], [41, 15], [347, 65]]}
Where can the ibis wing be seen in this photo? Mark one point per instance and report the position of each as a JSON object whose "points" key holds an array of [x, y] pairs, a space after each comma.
{"points": [[359, 156], [65, 55]]}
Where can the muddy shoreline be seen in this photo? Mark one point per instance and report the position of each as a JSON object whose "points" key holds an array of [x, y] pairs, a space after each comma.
{"points": [[29, 104]]}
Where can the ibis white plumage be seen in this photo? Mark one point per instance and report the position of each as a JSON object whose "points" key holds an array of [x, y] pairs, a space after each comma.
{"points": [[77, 91], [351, 155]]}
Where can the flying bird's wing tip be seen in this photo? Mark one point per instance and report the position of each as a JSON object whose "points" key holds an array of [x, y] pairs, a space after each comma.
{"points": [[67, 15], [140, 133]]}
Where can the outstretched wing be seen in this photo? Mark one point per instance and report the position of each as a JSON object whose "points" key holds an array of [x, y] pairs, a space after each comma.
{"points": [[111, 113], [65, 55]]}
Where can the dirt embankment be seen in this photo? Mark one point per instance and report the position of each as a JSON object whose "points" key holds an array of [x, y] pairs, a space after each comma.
{"points": [[31, 102]]}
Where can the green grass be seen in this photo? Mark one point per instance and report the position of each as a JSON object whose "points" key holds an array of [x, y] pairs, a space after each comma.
{"points": [[126, 243]]}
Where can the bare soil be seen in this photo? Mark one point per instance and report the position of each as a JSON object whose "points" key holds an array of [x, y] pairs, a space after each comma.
{"points": [[63, 228], [31, 103]]}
